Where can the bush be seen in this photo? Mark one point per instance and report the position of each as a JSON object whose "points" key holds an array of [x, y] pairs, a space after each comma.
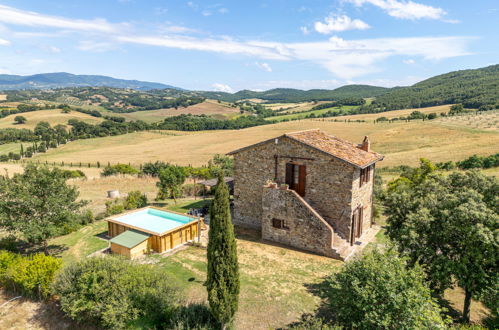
{"points": [[114, 207], [73, 174], [135, 200], [86, 217], [379, 291], [113, 292], [192, 316], [192, 189], [153, 169], [31, 276], [119, 169]]}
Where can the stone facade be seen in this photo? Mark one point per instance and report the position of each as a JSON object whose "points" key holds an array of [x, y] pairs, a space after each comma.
{"points": [[303, 227], [321, 220]]}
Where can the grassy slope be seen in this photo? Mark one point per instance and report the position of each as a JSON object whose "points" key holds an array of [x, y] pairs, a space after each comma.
{"points": [[209, 107], [54, 117], [400, 142], [304, 113]]}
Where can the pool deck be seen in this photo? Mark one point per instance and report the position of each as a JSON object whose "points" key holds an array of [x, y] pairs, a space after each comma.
{"points": [[140, 219]]}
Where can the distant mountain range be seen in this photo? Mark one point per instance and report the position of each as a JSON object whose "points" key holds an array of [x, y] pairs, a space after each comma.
{"points": [[473, 88], [63, 79]]}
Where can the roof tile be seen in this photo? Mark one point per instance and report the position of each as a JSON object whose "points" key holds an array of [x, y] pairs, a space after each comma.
{"points": [[336, 147]]}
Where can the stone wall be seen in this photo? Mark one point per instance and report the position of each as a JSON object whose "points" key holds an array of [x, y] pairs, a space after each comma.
{"points": [[362, 196], [328, 181], [305, 229]]}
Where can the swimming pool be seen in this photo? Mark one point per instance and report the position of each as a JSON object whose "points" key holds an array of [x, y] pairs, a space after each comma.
{"points": [[154, 220]]}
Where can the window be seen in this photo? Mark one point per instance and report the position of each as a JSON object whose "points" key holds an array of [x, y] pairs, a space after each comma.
{"points": [[365, 175], [279, 224]]}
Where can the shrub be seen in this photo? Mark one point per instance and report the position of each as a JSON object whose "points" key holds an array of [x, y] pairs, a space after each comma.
{"points": [[379, 291], [153, 169], [31, 276], [119, 169], [73, 174], [135, 200], [192, 189], [86, 217], [113, 292], [192, 316], [114, 207]]}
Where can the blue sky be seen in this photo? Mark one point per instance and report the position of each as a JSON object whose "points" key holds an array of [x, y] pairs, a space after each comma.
{"points": [[233, 45]]}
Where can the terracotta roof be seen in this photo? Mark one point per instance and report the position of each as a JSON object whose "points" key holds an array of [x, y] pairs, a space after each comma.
{"points": [[336, 147], [330, 145]]}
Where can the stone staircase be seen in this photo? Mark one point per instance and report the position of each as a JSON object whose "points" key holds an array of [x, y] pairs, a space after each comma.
{"points": [[341, 247]]}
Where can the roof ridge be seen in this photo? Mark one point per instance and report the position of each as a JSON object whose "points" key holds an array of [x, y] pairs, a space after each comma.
{"points": [[302, 131]]}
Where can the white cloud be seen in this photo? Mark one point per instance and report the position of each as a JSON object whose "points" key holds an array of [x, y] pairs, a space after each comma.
{"points": [[223, 10], [206, 13], [96, 46], [304, 30], [264, 66], [222, 88], [222, 45], [404, 9], [339, 23], [178, 29], [15, 16], [352, 58], [299, 84], [4, 42], [344, 58], [409, 61], [192, 5]]}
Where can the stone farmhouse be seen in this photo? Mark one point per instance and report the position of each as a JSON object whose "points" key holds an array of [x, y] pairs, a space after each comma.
{"points": [[308, 190]]}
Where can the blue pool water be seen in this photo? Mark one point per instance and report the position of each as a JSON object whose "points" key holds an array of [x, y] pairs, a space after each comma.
{"points": [[154, 220]]}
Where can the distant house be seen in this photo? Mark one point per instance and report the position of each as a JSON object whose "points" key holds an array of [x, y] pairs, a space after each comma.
{"points": [[328, 206], [209, 184]]}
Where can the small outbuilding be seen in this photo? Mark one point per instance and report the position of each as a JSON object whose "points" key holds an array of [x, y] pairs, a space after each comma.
{"points": [[149, 229]]}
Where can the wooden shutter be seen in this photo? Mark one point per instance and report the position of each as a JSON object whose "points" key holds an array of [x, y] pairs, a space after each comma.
{"points": [[289, 174], [360, 219], [352, 227], [302, 179]]}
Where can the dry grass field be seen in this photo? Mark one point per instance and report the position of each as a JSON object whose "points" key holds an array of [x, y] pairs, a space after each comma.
{"points": [[396, 113], [292, 107], [53, 117], [488, 121], [400, 142], [3, 97], [209, 107]]}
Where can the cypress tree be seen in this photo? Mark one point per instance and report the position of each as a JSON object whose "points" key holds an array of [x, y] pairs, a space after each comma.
{"points": [[223, 269]]}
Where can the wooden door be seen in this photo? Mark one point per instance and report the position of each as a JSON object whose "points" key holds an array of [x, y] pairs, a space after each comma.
{"points": [[356, 225], [302, 176], [296, 177]]}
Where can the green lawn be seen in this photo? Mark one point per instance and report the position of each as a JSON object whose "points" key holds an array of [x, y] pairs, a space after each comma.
{"points": [[81, 243], [11, 147], [276, 282], [185, 205]]}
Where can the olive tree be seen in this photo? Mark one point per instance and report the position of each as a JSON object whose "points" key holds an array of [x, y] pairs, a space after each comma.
{"points": [[38, 204], [449, 225], [379, 291]]}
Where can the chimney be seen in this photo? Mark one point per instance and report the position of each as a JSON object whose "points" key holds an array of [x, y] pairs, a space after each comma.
{"points": [[366, 144]]}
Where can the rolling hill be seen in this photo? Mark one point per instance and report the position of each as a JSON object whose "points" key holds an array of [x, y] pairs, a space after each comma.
{"points": [[473, 88], [63, 79], [297, 95]]}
